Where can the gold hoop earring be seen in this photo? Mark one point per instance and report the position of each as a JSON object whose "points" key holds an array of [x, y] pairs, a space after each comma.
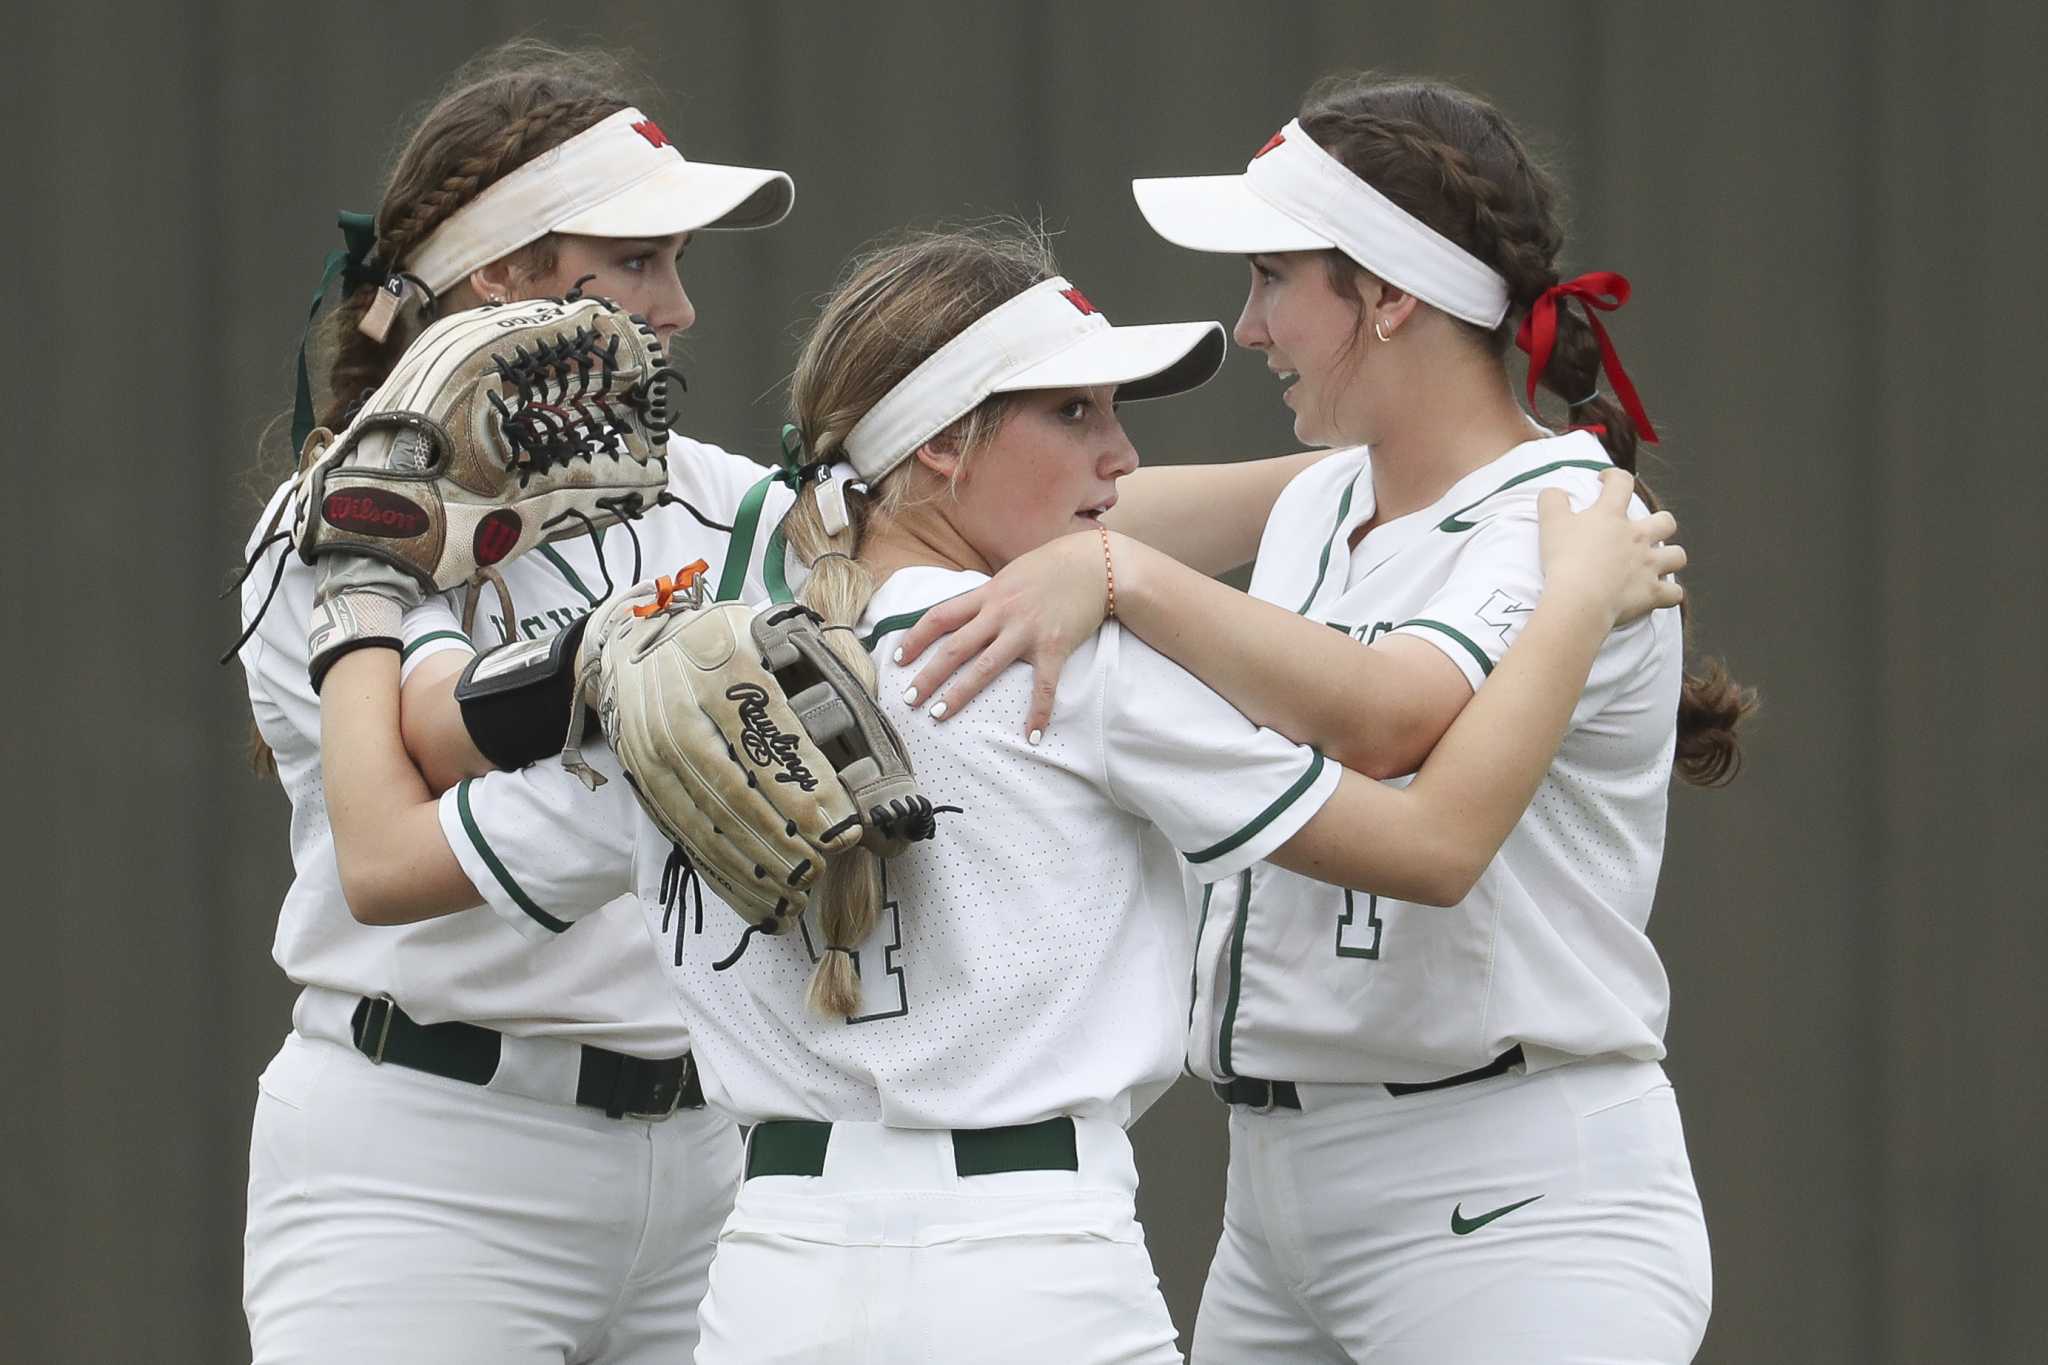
{"points": [[1379, 329]]}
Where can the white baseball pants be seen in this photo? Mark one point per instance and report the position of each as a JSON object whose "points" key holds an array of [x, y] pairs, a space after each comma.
{"points": [[398, 1217], [889, 1257], [1537, 1220]]}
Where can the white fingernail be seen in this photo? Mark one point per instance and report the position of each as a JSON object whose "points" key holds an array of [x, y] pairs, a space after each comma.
{"points": [[896, 655], [1034, 737], [910, 696], [937, 711]]}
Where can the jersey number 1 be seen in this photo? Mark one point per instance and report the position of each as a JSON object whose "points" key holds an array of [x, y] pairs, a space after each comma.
{"points": [[1354, 939]]}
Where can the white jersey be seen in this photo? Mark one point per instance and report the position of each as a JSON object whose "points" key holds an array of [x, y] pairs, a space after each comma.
{"points": [[1031, 960], [601, 988], [1298, 980]]}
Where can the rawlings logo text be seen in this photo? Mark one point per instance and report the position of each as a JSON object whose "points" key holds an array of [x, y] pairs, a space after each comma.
{"points": [[767, 746], [374, 512]]}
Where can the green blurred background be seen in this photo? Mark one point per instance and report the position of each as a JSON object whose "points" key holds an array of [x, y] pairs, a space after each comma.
{"points": [[1833, 216]]}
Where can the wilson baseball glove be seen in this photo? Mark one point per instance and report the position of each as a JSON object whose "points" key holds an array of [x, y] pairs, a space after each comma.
{"points": [[500, 429], [749, 743]]}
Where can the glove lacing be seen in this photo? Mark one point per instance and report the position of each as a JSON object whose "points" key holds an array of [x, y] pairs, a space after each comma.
{"points": [[546, 429], [678, 877]]}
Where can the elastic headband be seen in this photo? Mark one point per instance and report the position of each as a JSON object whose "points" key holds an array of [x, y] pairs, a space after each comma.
{"points": [[959, 376], [620, 177], [1048, 337], [1299, 178], [1294, 196]]}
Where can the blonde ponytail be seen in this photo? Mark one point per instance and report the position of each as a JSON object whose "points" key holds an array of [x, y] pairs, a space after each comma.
{"points": [[896, 304], [850, 896]]}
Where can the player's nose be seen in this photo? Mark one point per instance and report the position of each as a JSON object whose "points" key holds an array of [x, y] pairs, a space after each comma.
{"points": [[1120, 457], [671, 311], [1250, 330]]}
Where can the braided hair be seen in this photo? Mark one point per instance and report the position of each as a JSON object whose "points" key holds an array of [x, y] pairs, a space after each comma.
{"points": [[504, 108], [1452, 160], [498, 113], [896, 304]]}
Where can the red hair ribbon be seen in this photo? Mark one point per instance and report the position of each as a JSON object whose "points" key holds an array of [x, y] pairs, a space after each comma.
{"points": [[1601, 289]]}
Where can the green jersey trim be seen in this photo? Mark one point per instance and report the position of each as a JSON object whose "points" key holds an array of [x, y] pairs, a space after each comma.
{"points": [[1195, 971], [1329, 545], [889, 625], [429, 638], [1264, 817], [1223, 1036], [773, 560], [498, 869], [1485, 664], [1455, 522], [745, 523], [554, 557]]}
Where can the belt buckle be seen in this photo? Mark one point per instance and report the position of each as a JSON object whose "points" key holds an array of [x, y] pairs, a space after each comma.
{"points": [[675, 1100], [1224, 1090], [650, 1116], [390, 1007]]}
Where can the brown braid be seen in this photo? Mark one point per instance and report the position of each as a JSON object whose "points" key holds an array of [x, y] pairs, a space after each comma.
{"points": [[434, 178], [500, 111], [1452, 160]]}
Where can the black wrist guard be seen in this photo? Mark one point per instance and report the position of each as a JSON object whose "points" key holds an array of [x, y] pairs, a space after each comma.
{"points": [[515, 699]]}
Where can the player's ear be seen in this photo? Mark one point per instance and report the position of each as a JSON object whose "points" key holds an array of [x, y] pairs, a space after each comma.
{"points": [[493, 283], [1392, 308], [941, 455]]}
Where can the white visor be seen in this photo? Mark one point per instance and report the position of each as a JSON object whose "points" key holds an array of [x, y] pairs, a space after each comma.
{"points": [[1048, 337], [1294, 196], [621, 177]]}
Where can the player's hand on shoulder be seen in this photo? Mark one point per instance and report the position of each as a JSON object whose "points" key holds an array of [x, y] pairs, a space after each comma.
{"points": [[1038, 608], [1605, 557]]}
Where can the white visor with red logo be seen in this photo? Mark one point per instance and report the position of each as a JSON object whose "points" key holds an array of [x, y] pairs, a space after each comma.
{"points": [[1294, 196], [620, 177], [1048, 337]]}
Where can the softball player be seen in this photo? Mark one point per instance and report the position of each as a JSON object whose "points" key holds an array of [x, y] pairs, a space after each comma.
{"points": [[939, 1171], [1450, 1135], [472, 1147]]}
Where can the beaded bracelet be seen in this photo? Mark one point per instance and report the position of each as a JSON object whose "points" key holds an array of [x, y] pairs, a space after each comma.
{"points": [[1108, 574]]}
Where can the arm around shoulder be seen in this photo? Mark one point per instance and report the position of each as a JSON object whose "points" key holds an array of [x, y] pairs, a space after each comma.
{"points": [[1208, 516], [1430, 841]]}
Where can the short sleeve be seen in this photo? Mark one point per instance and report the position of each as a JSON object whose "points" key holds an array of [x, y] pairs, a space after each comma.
{"points": [[1494, 585], [1224, 791], [429, 629], [541, 848]]}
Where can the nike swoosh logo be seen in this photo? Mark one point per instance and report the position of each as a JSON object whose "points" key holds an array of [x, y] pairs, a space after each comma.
{"points": [[1460, 1225]]}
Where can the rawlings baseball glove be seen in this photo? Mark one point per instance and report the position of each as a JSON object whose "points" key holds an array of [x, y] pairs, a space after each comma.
{"points": [[500, 429], [748, 741]]}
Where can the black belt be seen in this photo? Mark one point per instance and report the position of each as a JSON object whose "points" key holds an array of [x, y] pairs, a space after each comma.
{"points": [[1265, 1096], [797, 1147], [622, 1086]]}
